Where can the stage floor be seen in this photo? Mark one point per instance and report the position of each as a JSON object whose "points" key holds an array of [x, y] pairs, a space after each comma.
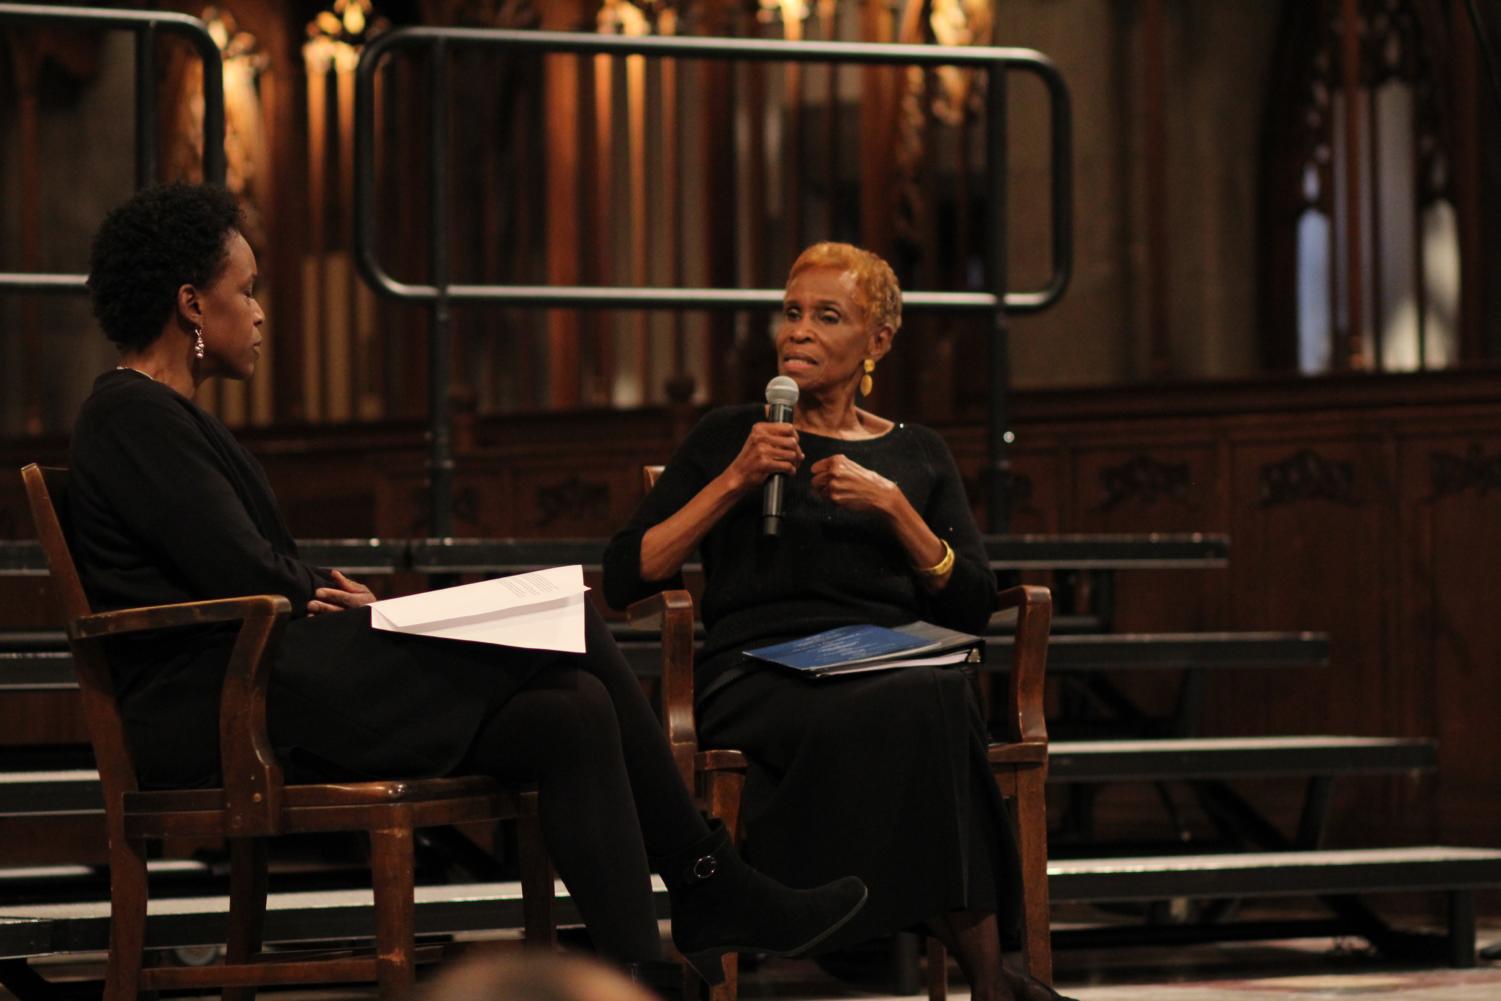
{"points": [[1300, 970]]}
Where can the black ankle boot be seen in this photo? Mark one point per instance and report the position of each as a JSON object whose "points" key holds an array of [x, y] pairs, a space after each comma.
{"points": [[720, 904]]}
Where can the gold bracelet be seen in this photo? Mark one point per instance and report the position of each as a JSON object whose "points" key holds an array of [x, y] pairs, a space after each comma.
{"points": [[943, 566]]}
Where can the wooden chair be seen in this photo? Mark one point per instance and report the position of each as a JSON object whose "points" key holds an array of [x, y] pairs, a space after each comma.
{"points": [[1019, 760], [255, 802]]}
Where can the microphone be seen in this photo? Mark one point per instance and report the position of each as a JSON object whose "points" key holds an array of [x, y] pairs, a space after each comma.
{"points": [[781, 394]]}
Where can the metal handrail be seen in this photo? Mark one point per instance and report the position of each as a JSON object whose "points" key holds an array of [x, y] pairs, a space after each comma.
{"points": [[145, 24], [630, 297], [440, 292]]}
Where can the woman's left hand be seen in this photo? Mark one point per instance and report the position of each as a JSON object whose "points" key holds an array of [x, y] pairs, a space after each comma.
{"points": [[349, 594], [845, 482]]}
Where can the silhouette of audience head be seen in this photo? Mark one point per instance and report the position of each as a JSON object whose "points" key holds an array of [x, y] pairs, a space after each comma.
{"points": [[534, 976]]}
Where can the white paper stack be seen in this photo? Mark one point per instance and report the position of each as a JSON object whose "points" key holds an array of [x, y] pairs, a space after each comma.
{"points": [[542, 610]]}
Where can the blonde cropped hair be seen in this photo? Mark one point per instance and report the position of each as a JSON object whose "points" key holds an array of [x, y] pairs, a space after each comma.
{"points": [[876, 286]]}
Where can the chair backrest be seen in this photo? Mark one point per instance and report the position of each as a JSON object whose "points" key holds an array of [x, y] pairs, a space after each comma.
{"points": [[47, 495]]}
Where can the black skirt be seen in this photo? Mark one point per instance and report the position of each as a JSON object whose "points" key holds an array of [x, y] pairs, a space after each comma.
{"points": [[880, 775], [345, 701]]}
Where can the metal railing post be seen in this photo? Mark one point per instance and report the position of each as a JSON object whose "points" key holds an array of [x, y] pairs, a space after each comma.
{"points": [[145, 109], [440, 344], [998, 464]]}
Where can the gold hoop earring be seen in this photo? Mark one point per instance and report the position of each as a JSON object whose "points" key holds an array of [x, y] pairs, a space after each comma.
{"points": [[198, 343], [866, 382]]}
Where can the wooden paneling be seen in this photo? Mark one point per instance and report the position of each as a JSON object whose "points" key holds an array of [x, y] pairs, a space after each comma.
{"points": [[1369, 508], [1451, 546], [1156, 483], [1308, 519], [77, 838], [41, 718], [1040, 479], [26, 603]]}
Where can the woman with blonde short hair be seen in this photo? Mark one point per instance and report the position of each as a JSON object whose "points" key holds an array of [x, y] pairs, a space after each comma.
{"points": [[883, 774]]}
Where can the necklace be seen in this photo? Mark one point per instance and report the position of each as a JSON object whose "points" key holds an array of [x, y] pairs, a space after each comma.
{"points": [[127, 368]]}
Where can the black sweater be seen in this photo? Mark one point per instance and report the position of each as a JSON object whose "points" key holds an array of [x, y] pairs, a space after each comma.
{"points": [[830, 566], [168, 507]]}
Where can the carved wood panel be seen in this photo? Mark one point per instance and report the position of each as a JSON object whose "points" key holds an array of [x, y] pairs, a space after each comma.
{"points": [[1308, 523], [1155, 483], [482, 503], [1036, 487], [1451, 546]]}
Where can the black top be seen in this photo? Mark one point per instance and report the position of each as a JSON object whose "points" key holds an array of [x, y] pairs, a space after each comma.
{"points": [[830, 566], [167, 506]]}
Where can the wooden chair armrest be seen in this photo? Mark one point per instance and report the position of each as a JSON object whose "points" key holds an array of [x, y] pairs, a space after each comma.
{"points": [[722, 760], [672, 613], [652, 612], [252, 775], [186, 613], [1025, 720], [1028, 752], [253, 792]]}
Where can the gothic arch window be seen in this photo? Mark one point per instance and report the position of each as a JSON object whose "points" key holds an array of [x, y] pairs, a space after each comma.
{"points": [[1404, 294]]}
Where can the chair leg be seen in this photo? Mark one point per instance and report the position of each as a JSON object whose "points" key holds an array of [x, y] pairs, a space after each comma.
{"points": [[395, 914], [1032, 835], [536, 877], [938, 970], [722, 797], [247, 908], [127, 919]]}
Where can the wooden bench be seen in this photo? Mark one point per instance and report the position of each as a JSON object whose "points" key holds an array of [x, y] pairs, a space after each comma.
{"points": [[356, 556], [52, 669], [1068, 761], [1145, 551], [1334, 876], [39, 930], [35, 670], [61, 790], [305, 916], [1007, 552], [1083, 654], [27, 886], [1236, 757]]}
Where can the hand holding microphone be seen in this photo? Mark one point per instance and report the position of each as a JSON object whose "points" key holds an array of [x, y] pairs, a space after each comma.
{"points": [[781, 394]]}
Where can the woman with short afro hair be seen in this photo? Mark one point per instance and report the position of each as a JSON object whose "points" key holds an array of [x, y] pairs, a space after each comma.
{"points": [[172, 234], [168, 507]]}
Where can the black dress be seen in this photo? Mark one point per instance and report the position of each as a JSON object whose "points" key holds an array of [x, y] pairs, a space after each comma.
{"points": [[167, 506], [882, 775]]}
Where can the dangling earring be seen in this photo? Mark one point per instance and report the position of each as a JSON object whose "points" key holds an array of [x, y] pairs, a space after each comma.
{"points": [[198, 343], [866, 382]]}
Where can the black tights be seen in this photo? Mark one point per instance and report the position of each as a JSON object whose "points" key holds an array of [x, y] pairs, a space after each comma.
{"points": [[608, 789]]}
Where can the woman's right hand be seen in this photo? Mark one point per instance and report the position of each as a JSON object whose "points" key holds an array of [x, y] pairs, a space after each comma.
{"points": [[771, 447]]}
